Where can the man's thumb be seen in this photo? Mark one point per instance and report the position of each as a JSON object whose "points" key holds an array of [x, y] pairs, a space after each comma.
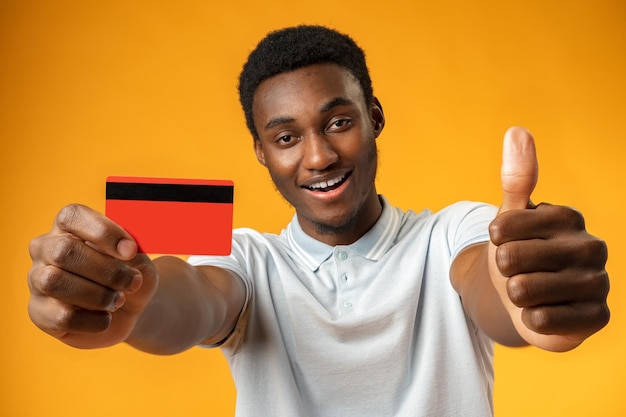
{"points": [[519, 170]]}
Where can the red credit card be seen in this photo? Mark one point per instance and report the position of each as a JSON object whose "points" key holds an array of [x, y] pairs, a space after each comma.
{"points": [[173, 216]]}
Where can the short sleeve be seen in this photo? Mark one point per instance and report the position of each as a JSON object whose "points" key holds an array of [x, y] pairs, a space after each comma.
{"points": [[467, 224]]}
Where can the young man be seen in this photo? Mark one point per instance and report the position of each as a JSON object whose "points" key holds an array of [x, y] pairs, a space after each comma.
{"points": [[356, 308]]}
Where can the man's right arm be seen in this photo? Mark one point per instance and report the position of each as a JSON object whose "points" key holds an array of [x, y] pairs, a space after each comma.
{"points": [[192, 305], [90, 288]]}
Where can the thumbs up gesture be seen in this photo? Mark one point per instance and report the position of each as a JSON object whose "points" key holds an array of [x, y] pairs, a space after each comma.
{"points": [[548, 271]]}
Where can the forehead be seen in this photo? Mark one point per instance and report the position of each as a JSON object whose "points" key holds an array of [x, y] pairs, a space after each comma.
{"points": [[305, 87]]}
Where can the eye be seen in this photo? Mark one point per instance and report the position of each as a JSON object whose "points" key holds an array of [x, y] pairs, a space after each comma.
{"points": [[285, 139], [340, 124]]}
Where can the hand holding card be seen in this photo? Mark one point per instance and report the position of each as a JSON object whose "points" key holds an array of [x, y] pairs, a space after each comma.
{"points": [[173, 216]]}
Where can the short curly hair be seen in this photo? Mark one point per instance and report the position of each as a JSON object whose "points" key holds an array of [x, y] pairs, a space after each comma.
{"points": [[296, 47]]}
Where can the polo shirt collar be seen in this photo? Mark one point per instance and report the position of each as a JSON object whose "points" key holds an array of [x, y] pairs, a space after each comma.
{"points": [[372, 245]]}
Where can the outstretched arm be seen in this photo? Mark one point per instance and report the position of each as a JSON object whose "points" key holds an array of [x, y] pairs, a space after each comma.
{"points": [[192, 305], [542, 279], [90, 288]]}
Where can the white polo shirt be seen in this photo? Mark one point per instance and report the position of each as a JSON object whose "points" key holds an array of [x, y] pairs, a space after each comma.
{"points": [[369, 329]]}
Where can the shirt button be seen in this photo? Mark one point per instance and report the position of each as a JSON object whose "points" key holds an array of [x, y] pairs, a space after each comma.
{"points": [[343, 255], [347, 304], [344, 278]]}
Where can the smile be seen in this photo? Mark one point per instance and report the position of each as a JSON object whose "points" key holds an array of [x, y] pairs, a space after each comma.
{"points": [[325, 186]]}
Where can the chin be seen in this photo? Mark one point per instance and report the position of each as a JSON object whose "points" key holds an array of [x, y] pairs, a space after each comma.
{"points": [[335, 226]]}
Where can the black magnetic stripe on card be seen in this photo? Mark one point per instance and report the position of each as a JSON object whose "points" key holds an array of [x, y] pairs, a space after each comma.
{"points": [[191, 193]]}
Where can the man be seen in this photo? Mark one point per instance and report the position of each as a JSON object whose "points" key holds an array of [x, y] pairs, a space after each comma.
{"points": [[356, 308]]}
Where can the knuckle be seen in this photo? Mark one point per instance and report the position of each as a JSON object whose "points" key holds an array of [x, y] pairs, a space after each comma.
{"points": [[50, 282], [571, 217], [68, 216], [596, 251], [496, 232], [62, 320], [519, 291], [64, 252], [33, 248], [506, 259], [539, 320]]}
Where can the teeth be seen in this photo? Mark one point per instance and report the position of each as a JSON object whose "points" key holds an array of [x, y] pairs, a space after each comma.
{"points": [[326, 184]]}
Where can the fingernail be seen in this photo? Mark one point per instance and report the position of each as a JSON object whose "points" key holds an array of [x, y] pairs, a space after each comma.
{"points": [[136, 283], [117, 303], [126, 248]]}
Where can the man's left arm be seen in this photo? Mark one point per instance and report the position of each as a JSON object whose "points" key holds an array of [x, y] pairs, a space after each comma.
{"points": [[542, 279]]}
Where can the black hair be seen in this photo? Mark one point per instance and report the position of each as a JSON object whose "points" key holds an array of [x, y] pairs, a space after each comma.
{"points": [[288, 49]]}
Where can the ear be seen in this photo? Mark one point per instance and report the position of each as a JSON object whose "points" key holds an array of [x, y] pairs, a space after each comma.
{"points": [[378, 117], [260, 153]]}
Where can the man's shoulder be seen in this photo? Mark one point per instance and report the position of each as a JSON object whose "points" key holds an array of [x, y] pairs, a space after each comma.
{"points": [[456, 210], [447, 222], [246, 236], [466, 207]]}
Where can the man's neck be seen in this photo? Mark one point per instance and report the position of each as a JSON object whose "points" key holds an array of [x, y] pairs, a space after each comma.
{"points": [[359, 224]]}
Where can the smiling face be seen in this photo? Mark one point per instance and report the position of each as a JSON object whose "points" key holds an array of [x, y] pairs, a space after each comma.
{"points": [[317, 138]]}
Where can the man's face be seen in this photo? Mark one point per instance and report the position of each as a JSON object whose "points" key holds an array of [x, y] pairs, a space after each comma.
{"points": [[317, 139]]}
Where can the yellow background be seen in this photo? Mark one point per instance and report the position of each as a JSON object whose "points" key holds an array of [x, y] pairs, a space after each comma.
{"points": [[96, 88]]}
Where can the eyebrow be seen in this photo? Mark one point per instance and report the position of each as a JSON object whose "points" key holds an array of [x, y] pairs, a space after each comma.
{"points": [[278, 121], [337, 101]]}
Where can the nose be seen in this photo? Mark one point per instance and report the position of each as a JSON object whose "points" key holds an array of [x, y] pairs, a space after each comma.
{"points": [[319, 153]]}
